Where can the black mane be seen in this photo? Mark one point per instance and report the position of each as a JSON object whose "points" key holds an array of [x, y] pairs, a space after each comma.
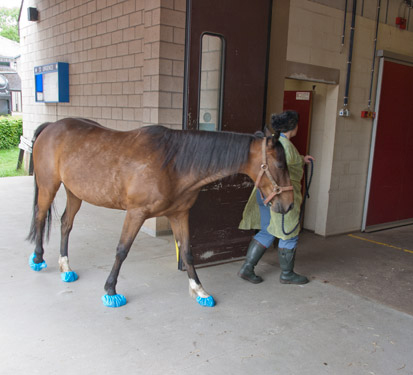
{"points": [[191, 151]]}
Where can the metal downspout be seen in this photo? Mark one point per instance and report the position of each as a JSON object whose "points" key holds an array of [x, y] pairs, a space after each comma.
{"points": [[350, 52], [344, 26], [374, 53]]}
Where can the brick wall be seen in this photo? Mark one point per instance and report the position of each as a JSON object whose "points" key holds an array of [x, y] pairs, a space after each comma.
{"points": [[126, 64], [125, 60]]}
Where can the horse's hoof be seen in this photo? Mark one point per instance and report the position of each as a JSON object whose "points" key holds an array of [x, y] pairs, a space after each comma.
{"points": [[116, 300], [36, 266], [209, 302], [69, 277]]}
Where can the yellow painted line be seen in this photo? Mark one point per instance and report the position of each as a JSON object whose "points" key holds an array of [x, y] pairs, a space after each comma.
{"points": [[380, 243]]}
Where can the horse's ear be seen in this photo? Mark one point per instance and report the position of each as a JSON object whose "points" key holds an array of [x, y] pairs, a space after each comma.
{"points": [[272, 137], [272, 140], [267, 132]]}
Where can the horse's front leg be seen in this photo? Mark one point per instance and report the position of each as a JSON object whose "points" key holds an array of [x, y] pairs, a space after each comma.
{"points": [[180, 228], [133, 222]]}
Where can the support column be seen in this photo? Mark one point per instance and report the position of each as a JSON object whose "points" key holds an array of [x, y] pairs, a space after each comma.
{"points": [[163, 75]]}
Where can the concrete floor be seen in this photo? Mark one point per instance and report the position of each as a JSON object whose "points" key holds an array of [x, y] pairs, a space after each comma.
{"points": [[354, 317]]}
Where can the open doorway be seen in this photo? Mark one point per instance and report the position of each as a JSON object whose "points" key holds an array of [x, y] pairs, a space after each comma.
{"points": [[321, 136]]}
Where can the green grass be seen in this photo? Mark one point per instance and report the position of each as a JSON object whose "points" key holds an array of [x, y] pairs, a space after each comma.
{"points": [[8, 163]]}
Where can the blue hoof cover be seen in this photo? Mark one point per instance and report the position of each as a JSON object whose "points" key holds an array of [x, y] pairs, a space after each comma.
{"points": [[114, 301], [209, 302], [36, 266], [69, 277]]}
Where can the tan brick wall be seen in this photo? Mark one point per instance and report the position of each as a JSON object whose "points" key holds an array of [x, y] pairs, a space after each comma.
{"points": [[125, 60], [164, 48]]}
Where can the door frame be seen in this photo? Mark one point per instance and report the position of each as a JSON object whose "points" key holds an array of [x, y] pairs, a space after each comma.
{"points": [[373, 145], [186, 63], [186, 70]]}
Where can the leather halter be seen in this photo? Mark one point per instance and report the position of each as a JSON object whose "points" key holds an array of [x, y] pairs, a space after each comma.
{"points": [[264, 169]]}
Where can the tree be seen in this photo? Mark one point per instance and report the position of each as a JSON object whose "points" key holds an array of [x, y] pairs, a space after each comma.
{"points": [[9, 27]]}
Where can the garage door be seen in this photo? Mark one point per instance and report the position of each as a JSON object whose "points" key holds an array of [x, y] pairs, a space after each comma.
{"points": [[390, 194]]}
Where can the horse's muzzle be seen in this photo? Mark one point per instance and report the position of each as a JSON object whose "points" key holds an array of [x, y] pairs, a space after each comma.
{"points": [[279, 209]]}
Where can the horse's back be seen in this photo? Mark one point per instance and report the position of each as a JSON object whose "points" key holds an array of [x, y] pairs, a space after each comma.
{"points": [[68, 136], [69, 128], [98, 164]]}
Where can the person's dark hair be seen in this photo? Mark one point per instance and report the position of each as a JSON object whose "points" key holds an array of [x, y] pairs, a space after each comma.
{"points": [[285, 121]]}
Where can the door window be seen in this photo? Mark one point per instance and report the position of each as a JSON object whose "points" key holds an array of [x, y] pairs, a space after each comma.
{"points": [[210, 88]]}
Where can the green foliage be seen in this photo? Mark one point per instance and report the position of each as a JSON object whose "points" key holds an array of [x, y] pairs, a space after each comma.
{"points": [[8, 163], [11, 128], [9, 27], [10, 33]]}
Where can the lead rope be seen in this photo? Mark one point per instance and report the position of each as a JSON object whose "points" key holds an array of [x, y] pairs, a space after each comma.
{"points": [[306, 195]]}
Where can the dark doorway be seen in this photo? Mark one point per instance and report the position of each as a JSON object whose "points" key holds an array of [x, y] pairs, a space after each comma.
{"points": [[301, 102]]}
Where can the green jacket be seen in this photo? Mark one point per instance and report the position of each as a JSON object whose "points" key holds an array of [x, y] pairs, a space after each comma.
{"points": [[251, 214]]}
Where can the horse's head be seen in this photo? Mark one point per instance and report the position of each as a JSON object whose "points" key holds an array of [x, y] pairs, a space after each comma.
{"points": [[273, 179]]}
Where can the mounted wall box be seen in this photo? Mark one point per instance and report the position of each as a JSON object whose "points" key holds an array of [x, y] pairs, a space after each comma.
{"points": [[401, 22], [368, 114], [52, 83], [32, 14]]}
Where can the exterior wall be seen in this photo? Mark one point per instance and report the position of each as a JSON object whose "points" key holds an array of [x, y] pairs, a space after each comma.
{"points": [[125, 60], [314, 38], [126, 63], [126, 68]]}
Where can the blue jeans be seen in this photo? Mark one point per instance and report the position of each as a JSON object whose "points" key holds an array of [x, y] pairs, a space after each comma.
{"points": [[265, 238]]}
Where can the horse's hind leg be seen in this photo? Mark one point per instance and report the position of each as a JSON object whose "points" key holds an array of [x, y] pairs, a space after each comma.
{"points": [[42, 211], [72, 207], [180, 228], [133, 222]]}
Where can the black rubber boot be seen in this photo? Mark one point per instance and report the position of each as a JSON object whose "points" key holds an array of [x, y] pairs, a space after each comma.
{"points": [[254, 254], [288, 276]]}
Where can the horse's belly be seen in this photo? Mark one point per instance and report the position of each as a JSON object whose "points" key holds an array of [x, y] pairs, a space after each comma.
{"points": [[97, 191]]}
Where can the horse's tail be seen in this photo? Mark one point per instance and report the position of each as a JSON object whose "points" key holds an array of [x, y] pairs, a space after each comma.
{"points": [[39, 130], [33, 233]]}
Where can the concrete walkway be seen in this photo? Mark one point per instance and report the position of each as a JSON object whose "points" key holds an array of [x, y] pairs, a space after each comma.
{"points": [[49, 327]]}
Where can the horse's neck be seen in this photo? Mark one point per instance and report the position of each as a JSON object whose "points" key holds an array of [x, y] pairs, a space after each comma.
{"points": [[250, 168], [208, 178]]}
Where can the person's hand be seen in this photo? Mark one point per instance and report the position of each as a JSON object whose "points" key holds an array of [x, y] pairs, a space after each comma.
{"points": [[308, 158]]}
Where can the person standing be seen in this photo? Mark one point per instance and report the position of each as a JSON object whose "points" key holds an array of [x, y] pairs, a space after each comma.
{"points": [[258, 216]]}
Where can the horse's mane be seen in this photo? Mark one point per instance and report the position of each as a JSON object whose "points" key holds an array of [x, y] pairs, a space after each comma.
{"points": [[191, 151]]}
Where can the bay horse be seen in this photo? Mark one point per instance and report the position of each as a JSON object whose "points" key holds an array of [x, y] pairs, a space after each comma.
{"points": [[151, 171]]}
